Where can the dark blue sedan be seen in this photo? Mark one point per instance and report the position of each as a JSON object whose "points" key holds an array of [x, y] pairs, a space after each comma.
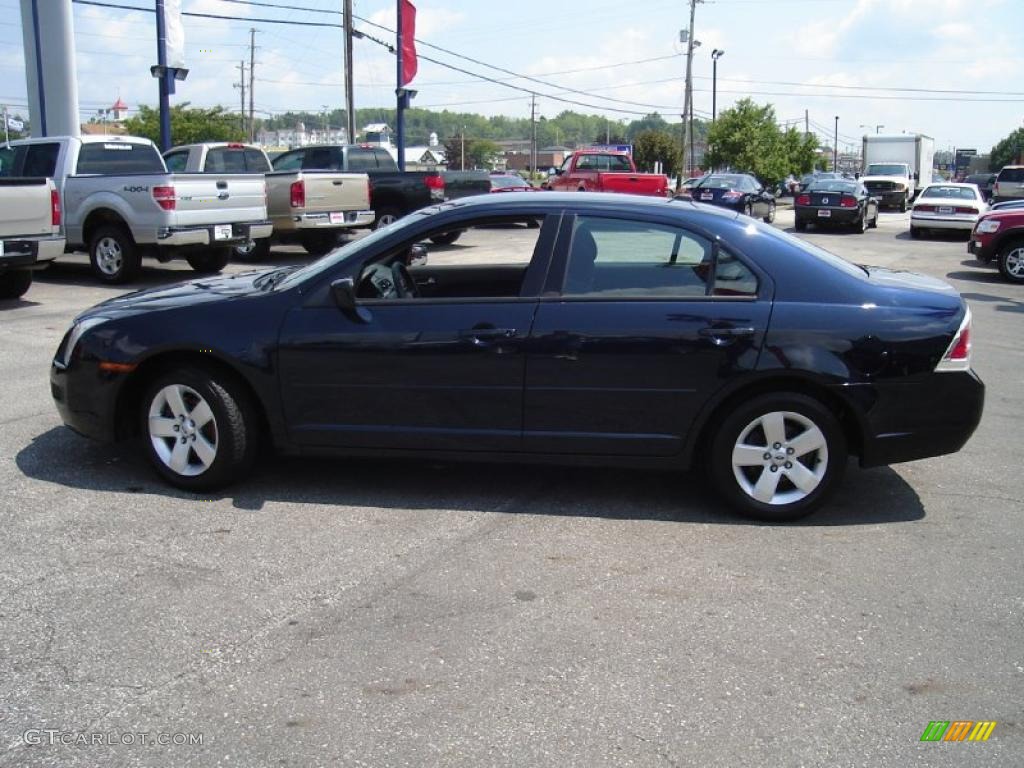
{"points": [[631, 332]]}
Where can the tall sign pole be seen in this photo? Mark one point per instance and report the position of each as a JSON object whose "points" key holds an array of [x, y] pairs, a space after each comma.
{"points": [[164, 77], [689, 94], [350, 106], [400, 93]]}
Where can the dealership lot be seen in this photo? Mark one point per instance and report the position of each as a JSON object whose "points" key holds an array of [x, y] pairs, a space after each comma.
{"points": [[417, 613]]}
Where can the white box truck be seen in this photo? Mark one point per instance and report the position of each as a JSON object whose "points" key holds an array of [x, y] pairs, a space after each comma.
{"points": [[896, 168]]}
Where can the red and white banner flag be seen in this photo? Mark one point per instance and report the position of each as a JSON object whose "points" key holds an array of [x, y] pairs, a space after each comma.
{"points": [[408, 41]]}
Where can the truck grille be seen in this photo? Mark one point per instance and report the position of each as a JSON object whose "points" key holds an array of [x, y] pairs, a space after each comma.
{"points": [[880, 186]]}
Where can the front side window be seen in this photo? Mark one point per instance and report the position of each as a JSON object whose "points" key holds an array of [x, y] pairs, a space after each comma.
{"points": [[587, 163], [616, 258]]}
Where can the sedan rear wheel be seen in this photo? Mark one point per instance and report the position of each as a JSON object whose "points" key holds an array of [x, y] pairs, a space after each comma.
{"points": [[778, 457], [198, 428], [1011, 262], [861, 225], [770, 217]]}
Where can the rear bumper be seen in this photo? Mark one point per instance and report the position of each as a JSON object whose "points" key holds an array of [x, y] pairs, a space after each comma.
{"points": [[836, 215], [911, 421], [29, 252], [325, 220], [205, 234], [938, 222]]}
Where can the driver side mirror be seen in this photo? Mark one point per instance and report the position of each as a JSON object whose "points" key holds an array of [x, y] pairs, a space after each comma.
{"points": [[558, 171], [417, 255], [343, 291]]}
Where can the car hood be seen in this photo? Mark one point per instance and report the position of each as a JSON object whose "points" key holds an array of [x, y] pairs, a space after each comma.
{"points": [[199, 291]]}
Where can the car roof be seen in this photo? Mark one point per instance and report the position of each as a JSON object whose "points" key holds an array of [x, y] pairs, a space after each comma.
{"points": [[608, 202], [951, 184]]}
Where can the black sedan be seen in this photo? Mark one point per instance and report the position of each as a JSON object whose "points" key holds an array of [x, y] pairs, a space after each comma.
{"points": [[636, 332], [739, 191], [836, 203]]}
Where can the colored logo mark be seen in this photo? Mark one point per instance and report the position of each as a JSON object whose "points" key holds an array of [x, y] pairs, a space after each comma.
{"points": [[958, 730]]}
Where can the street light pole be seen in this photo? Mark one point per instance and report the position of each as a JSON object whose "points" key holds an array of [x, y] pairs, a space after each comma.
{"points": [[835, 147], [164, 79], [715, 56]]}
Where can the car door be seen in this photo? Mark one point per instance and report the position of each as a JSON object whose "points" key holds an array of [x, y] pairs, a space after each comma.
{"points": [[641, 322], [412, 374]]}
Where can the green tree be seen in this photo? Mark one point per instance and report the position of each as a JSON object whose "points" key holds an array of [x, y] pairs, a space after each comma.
{"points": [[189, 125], [651, 147], [747, 138], [1007, 151], [479, 153]]}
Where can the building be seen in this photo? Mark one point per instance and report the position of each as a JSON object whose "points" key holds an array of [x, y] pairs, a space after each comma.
{"points": [[547, 157]]}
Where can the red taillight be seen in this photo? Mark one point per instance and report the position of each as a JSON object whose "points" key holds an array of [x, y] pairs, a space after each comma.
{"points": [[925, 208], [164, 197], [298, 194], [55, 207], [732, 194], [958, 356], [964, 209], [848, 202], [803, 200], [435, 182]]}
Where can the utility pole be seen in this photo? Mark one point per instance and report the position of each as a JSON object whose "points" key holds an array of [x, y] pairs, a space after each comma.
{"points": [[241, 86], [687, 102], [835, 147], [462, 162], [533, 134], [7, 135], [807, 123], [350, 107], [252, 83]]}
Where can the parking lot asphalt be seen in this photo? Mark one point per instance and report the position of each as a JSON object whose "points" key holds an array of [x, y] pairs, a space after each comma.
{"points": [[413, 613]]}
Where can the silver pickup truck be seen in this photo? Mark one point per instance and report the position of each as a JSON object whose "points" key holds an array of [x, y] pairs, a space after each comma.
{"points": [[309, 207], [29, 230], [120, 203]]}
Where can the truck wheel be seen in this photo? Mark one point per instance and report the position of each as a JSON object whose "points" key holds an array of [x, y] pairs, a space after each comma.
{"points": [[903, 205], [319, 243], [210, 261], [114, 256], [254, 250], [446, 239], [386, 216], [1011, 261], [13, 284]]}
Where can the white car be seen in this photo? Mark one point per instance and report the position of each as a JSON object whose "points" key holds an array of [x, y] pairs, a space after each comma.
{"points": [[947, 206]]}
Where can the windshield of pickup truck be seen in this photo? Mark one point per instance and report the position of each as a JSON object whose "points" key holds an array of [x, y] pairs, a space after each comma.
{"points": [[119, 158], [885, 169]]}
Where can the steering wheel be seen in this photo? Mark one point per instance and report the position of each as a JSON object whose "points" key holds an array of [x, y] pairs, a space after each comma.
{"points": [[383, 281], [405, 286]]}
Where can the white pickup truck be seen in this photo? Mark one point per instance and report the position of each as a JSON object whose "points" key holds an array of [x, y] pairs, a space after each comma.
{"points": [[29, 230], [308, 207], [120, 203]]}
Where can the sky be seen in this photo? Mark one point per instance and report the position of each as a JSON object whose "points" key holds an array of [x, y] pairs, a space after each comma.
{"points": [[951, 69]]}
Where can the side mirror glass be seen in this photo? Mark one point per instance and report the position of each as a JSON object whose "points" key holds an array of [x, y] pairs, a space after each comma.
{"points": [[559, 171], [343, 291], [417, 255], [552, 171]]}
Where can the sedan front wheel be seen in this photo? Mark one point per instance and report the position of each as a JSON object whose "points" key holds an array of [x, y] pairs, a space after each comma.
{"points": [[778, 457], [199, 429]]}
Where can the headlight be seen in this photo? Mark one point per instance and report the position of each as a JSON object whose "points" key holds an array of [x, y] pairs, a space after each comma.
{"points": [[988, 226], [78, 330], [901, 187]]}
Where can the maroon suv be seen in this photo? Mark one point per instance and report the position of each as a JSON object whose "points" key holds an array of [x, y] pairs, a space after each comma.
{"points": [[999, 236]]}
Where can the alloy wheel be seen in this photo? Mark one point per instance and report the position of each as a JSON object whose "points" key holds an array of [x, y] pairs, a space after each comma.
{"points": [[109, 256], [183, 430], [1014, 263], [780, 458]]}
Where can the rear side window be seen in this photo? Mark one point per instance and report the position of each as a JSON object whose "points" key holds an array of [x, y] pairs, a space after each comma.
{"points": [[225, 160], [385, 160], [320, 159], [733, 277], [41, 160], [616, 258], [119, 158], [292, 161], [256, 161], [1015, 175], [176, 162], [361, 160]]}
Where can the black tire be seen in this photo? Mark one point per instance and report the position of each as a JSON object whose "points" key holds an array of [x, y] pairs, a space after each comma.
{"points": [[14, 283], [1011, 261], [800, 226], [770, 217], [114, 256], [915, 232], [319, 243], [235, 427], [446, 239], [209, 262], [254, 250], [748, 210], [874, 221], [903, 205], [738, 419], [860, 226], [385, 216]]}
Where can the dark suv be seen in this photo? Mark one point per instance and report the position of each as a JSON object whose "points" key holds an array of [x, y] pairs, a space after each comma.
{"points": [[984, 181]]}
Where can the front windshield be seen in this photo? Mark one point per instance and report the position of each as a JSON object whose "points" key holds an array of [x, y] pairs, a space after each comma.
{"points": [[885, 169], [340, 254], [950, 193]]}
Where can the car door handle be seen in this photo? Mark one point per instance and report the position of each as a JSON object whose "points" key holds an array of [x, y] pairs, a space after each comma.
{"points": [[482, 337], [725, 335], [337, 183]]}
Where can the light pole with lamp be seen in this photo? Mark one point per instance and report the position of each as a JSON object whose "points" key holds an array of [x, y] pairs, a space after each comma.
{"points": [[878, 128], [715, 56], [835, 147]]}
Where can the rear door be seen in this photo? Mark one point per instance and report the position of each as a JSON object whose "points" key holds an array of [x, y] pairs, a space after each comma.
{"points": [[641, 322]]}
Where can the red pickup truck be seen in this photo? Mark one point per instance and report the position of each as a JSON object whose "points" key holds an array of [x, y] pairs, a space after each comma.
{"points": [[598, 170], [999, 236]]}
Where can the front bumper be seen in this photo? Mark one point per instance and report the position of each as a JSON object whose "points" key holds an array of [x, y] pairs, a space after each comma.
{"points": [[980, 249], [29, 252], [209, 234], [86, 398], [889, 197], [932, 417]]}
